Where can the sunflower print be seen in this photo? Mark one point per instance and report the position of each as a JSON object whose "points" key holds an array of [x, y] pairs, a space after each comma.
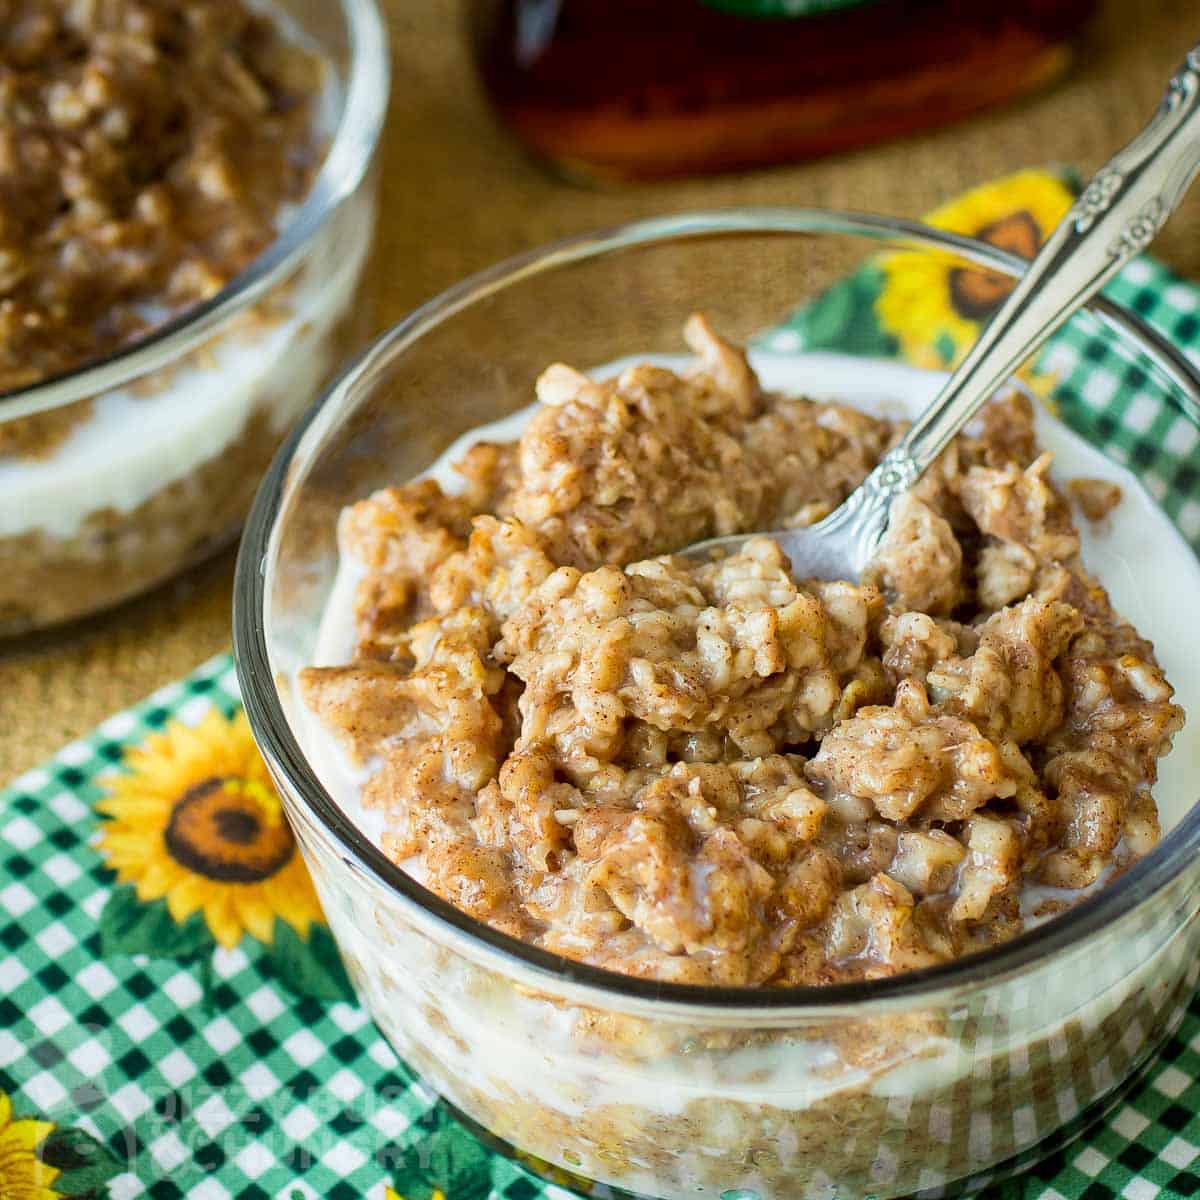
{"points": [[194, 821], [23, 1173], [932, 305]]}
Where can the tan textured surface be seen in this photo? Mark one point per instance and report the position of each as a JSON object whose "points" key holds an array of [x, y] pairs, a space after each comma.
{"points": [[458, 195]]}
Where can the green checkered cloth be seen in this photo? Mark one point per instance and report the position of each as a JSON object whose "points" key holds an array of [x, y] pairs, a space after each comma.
{"points": [[206, 1075], [207, 1078]]}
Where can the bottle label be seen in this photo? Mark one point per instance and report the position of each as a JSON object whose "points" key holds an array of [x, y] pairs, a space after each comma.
{"points": [[768, 9]]}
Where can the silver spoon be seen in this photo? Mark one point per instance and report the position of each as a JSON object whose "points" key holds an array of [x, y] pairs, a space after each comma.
{"points": [[1117, 216]]}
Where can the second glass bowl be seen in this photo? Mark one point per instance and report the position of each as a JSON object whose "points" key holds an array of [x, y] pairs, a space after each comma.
{"points": [[944, 1078], [169, 439]]}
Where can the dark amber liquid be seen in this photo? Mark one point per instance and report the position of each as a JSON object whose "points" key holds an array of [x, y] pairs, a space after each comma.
{"points": [[639, 89]]}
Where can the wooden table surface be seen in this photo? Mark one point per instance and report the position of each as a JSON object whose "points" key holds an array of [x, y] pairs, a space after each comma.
{"points": [[457, 194]]}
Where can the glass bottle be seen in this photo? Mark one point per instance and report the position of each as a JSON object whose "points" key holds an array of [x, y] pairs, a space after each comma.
{"points": [[642, 89]]}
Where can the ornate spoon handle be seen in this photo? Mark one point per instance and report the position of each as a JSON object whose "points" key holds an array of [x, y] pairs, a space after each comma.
{"points": [[1116, 217]]}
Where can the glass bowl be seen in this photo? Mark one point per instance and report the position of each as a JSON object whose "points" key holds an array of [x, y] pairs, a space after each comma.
{"points": [[169, 437], [945, 1078]]}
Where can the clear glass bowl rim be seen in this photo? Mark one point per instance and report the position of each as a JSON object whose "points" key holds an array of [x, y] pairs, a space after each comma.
{"points": [[1138, 886], [347, 161]]}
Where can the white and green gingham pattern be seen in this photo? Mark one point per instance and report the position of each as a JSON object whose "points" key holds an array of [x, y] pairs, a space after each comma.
{"points": [[207, 1079], [1108, 401]]}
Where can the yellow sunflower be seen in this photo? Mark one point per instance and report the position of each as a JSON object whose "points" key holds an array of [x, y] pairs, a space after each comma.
{"points": [[195, 821], [23, 1175], [933, 306]]}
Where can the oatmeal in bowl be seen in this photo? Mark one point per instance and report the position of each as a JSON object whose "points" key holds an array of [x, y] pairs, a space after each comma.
{"points": [[717, 773], [187, 207], [695, 876]]}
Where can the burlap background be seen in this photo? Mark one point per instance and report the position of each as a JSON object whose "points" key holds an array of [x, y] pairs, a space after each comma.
{"points": [[457, 194]]}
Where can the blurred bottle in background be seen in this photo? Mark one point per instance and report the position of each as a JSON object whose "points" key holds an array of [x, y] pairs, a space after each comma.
{"points": [[642, 89]]}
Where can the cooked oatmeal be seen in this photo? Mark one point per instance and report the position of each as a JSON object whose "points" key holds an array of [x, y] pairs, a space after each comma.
{"points": [[147, 151], [1096, 497], [716, 772]]}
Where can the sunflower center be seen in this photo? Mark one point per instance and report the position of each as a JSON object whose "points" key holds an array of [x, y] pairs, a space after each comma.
{"points": [[237, 826], [977, 294], [220, 829]]}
